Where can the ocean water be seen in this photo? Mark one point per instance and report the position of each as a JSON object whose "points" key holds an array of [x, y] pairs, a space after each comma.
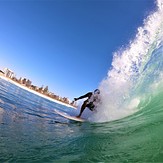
{"points": [[127, 127], [30, 131]]}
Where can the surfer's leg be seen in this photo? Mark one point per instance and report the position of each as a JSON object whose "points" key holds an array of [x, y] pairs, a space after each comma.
{"points": [[91, 106], [82, 108]]}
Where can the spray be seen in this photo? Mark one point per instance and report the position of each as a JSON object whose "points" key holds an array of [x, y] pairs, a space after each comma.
{"points": [[117, 89]]}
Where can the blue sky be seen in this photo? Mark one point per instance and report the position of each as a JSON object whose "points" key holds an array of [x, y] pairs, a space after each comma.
{"points": [[66, 44]]}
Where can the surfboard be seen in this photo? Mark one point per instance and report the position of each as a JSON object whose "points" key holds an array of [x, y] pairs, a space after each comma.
{"points": [[65, 115]]}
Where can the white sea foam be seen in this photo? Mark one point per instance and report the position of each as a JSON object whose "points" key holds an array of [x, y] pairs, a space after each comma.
{"points": [[127, 64]]}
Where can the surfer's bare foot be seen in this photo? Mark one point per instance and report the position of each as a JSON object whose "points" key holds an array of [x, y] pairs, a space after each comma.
{"points": [[78, 116]]}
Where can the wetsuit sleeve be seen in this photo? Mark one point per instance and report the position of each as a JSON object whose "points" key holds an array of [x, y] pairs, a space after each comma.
{"points": [[84, 96]]}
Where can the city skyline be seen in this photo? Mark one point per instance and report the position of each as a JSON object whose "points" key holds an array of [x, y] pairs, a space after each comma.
{"points": [[9, 74]]}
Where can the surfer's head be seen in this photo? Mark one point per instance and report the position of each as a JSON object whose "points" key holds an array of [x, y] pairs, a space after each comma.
{"points": [[96, 91]]}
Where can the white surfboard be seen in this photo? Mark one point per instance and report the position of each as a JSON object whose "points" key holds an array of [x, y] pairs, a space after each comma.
{"points": [[63, 114]]}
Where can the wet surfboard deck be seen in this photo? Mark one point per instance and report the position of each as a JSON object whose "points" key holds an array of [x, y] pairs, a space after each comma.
{"points": [[70, 117]]}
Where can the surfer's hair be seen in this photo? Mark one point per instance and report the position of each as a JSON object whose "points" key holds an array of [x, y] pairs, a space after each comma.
{"points": [[97, 91]]}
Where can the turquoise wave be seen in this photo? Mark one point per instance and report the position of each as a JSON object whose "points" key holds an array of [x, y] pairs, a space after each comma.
{"points": [[136, 72]]}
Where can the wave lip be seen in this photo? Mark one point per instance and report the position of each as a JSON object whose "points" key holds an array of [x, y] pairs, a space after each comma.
{"points": [[119, 90]]}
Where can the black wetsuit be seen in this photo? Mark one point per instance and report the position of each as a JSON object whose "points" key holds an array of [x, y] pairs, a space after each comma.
{"points": [[90, 105]]}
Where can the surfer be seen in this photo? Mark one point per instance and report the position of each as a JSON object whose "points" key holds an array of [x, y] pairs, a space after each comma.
{"points": [[92, 100]]}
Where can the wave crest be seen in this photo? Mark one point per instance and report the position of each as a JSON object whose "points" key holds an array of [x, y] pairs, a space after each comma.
{"points": [[118, 90]]}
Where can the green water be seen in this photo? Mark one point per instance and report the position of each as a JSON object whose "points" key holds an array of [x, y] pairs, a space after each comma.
{"points": [[32, 132]]}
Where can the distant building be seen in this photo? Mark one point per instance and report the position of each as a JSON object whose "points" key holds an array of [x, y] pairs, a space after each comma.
{"points": [[1, 72], [45, 90], [40, 89], [28, 83], [8, 73], [25, 82], [15, 79], [33, 87], [22, 80], [66, 100]]}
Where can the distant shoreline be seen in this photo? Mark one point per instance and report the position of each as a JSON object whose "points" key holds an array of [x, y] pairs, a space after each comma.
{"points": [[34, 92]]}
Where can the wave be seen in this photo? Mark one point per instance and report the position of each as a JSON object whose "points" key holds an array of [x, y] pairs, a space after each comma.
{"points": [[136, 72]]}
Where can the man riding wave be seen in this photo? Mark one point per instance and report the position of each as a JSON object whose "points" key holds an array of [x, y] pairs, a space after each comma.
{"points": [[93, 99]]}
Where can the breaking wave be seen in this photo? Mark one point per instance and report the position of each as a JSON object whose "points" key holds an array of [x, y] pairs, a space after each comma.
{"points": [[136, 72]]}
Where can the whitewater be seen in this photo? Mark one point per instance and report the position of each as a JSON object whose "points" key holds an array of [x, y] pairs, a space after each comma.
{"points": [[136, 72]]}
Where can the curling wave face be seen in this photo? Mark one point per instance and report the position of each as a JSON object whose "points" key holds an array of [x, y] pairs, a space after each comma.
{"points": [[136, 73]]}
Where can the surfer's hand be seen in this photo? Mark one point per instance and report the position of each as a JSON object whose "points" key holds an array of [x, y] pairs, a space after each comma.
{"points": [[72, 102]]}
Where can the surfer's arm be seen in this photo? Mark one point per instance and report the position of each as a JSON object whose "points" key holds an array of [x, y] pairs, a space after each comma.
{"points": [[84, 96]]}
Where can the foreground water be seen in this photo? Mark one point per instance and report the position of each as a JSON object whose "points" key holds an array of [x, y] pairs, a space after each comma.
{"points": [[30, 131]]}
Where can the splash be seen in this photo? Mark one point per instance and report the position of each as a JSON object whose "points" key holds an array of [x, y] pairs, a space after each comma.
{"points": [[118, 90]]}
